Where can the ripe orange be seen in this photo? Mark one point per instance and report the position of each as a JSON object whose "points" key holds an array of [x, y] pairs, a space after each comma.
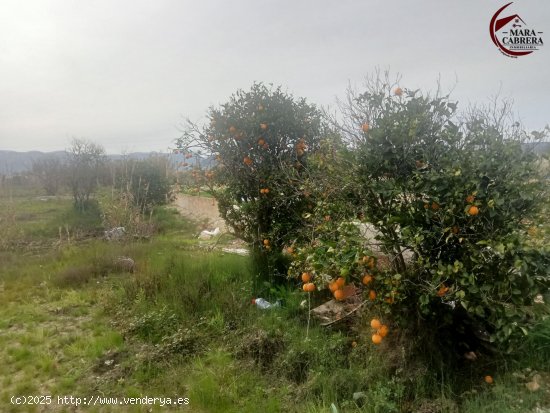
{"points": [[473, 210], [442, 290], [309, 287], [398, 91], [372, 295], [333, 286], [367, 279], [263, 126], [375, 323], [365, 127], [247, 161], [266, 241], [339, 295], [383, 330], [376, 339], [306, 277], [261, 141], [470, 199], [340, 282], [488, 380]]}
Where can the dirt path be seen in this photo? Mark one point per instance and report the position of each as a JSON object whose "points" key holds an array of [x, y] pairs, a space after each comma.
{"points": [[201, 209]]}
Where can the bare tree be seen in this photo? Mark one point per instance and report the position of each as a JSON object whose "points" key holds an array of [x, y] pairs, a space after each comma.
{"points": [[85, 160], [49, 173]]}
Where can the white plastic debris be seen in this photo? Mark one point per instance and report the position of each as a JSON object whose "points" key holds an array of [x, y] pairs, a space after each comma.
{"points": [[115, 233], [238, 251], [209, 234], [264, 304]]}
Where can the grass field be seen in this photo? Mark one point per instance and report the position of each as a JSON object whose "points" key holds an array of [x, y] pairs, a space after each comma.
{"points": [[182, 325]]}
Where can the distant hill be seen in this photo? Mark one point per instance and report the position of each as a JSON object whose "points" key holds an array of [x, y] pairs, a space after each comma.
{"points": [[538, 147], [12, 162]]}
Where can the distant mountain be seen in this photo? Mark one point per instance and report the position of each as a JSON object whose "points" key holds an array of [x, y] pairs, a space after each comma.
{"points": [[537, 147], [12, 162]]}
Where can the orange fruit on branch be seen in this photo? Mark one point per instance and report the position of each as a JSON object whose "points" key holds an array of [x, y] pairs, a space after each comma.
{"points": [[383, 330], [473, 210], [306, 277], [340, 282], [372, 295], [488, 380], [375, 323], [367, 279], [442, 290], [376, 339], [339, 295], [309, 287]]}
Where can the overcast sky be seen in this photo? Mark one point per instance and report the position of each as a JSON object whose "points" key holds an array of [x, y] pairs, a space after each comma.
{"points": [[126, 73]]}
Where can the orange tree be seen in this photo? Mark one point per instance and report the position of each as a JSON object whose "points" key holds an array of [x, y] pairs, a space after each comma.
{"points": [[261, 140], [451, 199]]}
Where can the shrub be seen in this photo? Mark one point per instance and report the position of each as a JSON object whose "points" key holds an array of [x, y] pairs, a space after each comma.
{"points": [[146, 182], [458, 194], [84, 162], [261, 140]]}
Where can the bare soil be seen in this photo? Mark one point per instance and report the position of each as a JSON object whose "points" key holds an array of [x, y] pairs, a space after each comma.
{"points": [[202, 210]]}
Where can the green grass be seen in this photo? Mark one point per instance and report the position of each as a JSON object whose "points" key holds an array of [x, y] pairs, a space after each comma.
{"points": [[182, 324]]}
